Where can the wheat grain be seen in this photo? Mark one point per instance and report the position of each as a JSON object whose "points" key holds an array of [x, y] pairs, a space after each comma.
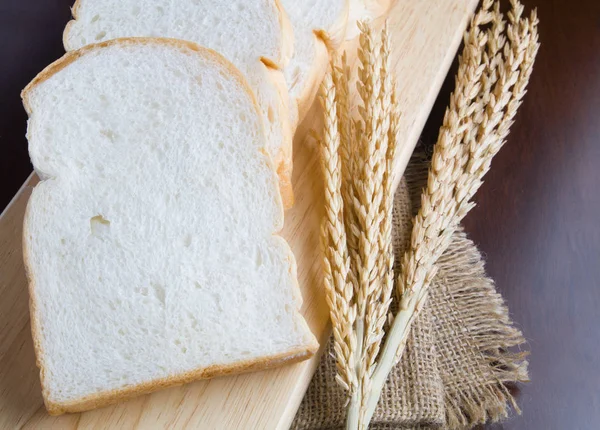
{"points": [[347, 128]]}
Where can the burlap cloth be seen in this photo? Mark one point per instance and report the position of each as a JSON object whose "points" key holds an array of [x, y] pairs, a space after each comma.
{"points": [[461, 352]]}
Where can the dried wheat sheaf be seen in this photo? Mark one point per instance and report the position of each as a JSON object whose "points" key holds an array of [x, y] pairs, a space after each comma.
{"points": [[357, 155]]}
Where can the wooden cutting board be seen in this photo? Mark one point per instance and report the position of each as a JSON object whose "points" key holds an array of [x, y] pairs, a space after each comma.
{"points": [[426, 35]]}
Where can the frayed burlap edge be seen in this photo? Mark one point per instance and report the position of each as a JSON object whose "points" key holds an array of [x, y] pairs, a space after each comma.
{"points": [[472, 318], [473, 323]]}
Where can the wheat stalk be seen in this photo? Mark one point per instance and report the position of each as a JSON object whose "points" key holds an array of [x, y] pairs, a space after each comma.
{"points": [[379, 296], [489, 90]]}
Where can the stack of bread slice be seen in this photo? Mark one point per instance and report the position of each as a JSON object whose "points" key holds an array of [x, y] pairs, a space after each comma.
{"points": [[163, 139]]}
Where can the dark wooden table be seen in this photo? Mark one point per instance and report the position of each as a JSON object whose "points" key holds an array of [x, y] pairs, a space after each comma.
{"points": [[538, 214]]}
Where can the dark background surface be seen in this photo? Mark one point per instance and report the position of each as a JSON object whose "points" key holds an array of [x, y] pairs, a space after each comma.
{"points": [[538, 215]]}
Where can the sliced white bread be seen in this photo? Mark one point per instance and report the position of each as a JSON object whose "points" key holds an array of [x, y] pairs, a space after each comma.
{"points": [[151, 245], [318, 25], [253, 34]]}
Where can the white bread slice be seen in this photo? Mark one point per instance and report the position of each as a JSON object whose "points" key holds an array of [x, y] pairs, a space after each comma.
{"points": [[151, 246], [253, 34], [318, 25]]}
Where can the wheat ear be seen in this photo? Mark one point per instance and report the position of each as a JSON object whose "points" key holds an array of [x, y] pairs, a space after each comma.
{"points": [[371, 210], [476, 124], [333, 237], [348, 129]]}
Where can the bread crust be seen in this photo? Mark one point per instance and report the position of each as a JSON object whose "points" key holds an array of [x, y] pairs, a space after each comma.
{"points": [[106, 398], [283, 160], [113, 396], [75, 15], [287, 36]]}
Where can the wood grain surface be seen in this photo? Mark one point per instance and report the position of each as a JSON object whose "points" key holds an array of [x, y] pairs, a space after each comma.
{"points": [[426, 35], [537, 219]]}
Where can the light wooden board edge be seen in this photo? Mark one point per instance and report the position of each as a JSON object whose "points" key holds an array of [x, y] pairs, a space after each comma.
{"points": [[426, 35]]}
